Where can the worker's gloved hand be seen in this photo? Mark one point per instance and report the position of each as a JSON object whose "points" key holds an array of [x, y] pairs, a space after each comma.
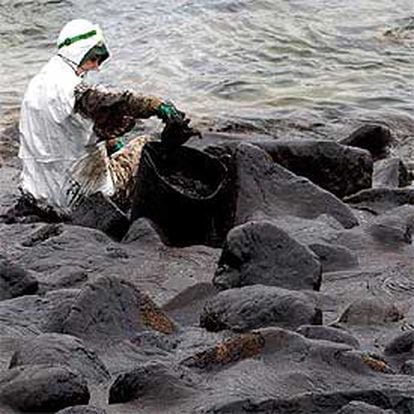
{"points": [[169, 113], [177, 133], [114, 145]]}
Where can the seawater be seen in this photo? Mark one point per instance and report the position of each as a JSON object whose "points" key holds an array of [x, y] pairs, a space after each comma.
{"points": [[252, 61]]}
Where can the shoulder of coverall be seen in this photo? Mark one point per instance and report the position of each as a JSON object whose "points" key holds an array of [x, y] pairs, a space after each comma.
{"points": [[52, 91]]}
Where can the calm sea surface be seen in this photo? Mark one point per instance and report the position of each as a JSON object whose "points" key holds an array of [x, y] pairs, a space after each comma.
{"points": [[251, 61]]}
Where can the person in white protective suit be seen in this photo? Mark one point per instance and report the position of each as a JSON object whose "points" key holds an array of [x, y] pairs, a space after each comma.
{"points": [[69, 130]]}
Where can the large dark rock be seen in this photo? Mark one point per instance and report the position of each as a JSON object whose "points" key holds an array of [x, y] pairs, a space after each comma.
{"points": [[374, 138], [99, 212], [261, 253], [42, 388], [379, 200], [391, 173], [14, 281], [113, 308], [258, 306], [63, 350], [155, 380], [32, 315], [339, 169], [328, 333], [263, 185], [395, 227], [367, 311], [401, 344]]}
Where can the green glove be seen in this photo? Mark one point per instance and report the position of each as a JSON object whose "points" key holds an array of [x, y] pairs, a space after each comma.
{"points": [[119, 145], [169, 113], [113, 147]]}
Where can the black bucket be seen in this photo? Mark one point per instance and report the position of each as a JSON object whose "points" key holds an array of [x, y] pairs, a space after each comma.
{"points": [[183, 193]]}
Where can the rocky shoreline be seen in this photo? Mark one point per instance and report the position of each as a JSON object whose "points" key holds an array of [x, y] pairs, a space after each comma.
{"points": [[298, 301]]}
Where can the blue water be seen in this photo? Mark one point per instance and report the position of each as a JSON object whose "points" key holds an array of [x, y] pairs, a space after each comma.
{"points": [[241, 60]]}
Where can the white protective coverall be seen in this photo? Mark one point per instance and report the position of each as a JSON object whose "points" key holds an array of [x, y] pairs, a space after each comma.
{"points": [[52, 135]]}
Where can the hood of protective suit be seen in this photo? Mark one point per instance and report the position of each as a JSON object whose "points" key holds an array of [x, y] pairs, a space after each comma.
{"points": [[77, 38]]}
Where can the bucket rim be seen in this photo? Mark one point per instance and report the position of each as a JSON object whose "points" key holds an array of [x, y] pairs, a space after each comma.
{"points": [[210, 196]]}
